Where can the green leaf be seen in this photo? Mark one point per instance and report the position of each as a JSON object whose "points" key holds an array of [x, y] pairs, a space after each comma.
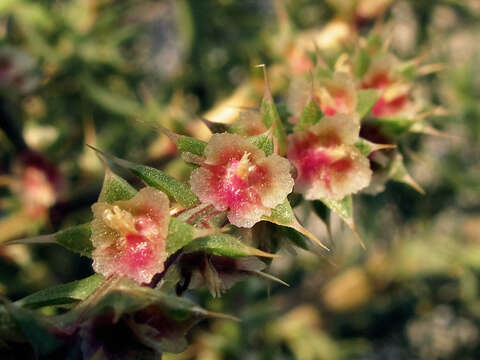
{"points": [[178, 190], [185, 144], [76, 239], [62, 294], [115, 188], [146, 312], [174, 188], [311, 114], [393, 125], [264, 142], [294, 236], [36, 329], [362, 62], [283, 215], [367, 98], [179, 234], [344, 209], [191, 145], [271, 118], [398, 172], [224, 245], [367, 147]]}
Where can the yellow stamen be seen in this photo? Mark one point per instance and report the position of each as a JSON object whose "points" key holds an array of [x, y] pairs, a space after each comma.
{"points": [[119, 220], [243, 167]]}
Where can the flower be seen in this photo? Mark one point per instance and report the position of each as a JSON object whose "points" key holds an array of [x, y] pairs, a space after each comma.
{"points": [[335, 95], [327, 161], [129, 236], [238, 177], [38, 184], [395, 92], [249, 123]]}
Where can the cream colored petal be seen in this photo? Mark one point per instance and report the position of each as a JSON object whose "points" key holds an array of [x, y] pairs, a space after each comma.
{"points": [[152, 202], [248, 215], [281, 181], [342, 82], [201, 184], [222, 145], [345, 126]]}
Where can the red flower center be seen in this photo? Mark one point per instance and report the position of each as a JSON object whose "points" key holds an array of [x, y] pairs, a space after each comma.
{"points": [[236, 180], [314, 159], [138, 252]]}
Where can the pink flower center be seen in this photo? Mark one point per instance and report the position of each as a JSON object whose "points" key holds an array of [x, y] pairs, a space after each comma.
{"points": [[340, 105], [235, 182], [314, 158], [137, 253], [379, 81], [388, 108]]}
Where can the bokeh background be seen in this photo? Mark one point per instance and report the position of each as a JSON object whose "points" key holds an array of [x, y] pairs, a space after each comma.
{"points": [[103, 72]]}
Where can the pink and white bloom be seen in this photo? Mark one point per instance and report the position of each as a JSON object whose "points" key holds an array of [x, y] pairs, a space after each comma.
{"points": [[327, 161], [37, 184], [335, 95], [237, 177], [249, 123], [395, 92], [129, 236]]}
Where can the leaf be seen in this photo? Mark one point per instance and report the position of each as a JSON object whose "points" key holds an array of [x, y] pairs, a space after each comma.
{"points": [[185, 144], [294, 236], [152, 319], [395, 125], [264, 142], [367, 147], [62, 294], [174, 188], [115, 188], [283, 215], [76, 239], [311, 114], [344, 209], [362, 62], [179, 234], [224, 245], [367, 98], [41, 334], [271, 118], [398, 172], [191, 145]]}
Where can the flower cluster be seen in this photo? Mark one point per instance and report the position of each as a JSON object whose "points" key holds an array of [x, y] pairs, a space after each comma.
{"points": [[245, 176]]}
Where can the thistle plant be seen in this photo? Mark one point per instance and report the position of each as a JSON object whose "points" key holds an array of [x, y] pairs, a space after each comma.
{"points": [[150, 245], [333, 137]]}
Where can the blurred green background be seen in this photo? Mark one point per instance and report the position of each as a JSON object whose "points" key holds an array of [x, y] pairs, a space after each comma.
{"points": [[102, 71]]}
